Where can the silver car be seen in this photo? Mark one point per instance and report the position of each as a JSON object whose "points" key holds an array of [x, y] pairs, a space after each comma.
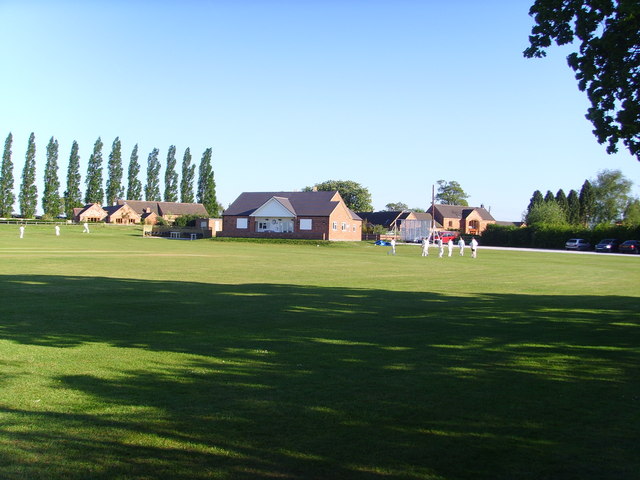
{"points": [[577, 244]]}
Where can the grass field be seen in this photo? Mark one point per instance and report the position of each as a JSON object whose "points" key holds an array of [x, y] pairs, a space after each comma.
{"points": [[123, 357]]}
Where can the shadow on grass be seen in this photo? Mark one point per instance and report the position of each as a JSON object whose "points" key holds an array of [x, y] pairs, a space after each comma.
{"points": [[286, 381]]}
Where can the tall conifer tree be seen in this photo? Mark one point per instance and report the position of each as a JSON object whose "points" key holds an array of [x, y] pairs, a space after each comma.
{"points": [[28, 189], [207, 185], [6, 180], [51, 205], [563, 202], [152, 188], [171, 177], [72, 195], [188, 176], [95, 192], [573, 212], [587, 203], [549, 197], [114, 180], [134, 185], [536, 199]]}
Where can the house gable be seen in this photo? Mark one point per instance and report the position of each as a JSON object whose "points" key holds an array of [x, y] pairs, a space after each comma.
{"points": [[275, 207]]}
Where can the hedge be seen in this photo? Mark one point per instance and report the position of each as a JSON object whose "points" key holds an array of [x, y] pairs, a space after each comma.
{"points": [[554, 237]]}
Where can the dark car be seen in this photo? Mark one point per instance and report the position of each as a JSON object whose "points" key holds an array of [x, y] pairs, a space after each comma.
{"points": [[630, 246], [577, 244], [608, 245]]}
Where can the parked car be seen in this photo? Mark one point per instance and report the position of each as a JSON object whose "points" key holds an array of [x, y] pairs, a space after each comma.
{"points": [[577, 244], [445, 236], [630, 246], [608, 245]]}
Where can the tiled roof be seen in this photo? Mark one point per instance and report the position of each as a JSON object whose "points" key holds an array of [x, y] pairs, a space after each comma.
{"points": [[384, 218], [166, 208], [311, 204], [460, 212]]}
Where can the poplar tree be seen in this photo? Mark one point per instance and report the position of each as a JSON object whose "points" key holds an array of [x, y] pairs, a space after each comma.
{"points": [[206, 185], [171, 177], [6, 180], [95, 192], [114, 180], [28, 189], [152, 188], [573, 211], [72, 195], [134, 185], [188, 175], [51, 194]]}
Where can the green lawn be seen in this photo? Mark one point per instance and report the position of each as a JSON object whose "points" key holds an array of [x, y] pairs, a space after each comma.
{"points": [[124, 357]]}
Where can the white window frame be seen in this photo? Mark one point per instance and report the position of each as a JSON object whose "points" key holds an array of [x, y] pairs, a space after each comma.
{"points": [[242, 223], [334, 227], [306, 224]]}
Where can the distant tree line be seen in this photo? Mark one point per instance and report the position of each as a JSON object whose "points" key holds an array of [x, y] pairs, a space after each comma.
{"points": [[55, 204], [605, 200]]}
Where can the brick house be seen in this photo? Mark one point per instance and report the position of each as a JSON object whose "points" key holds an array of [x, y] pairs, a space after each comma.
{"points": [[122, 215], [466, 220], [305, 215], [127, 212], [169, 211], [91, 212]]}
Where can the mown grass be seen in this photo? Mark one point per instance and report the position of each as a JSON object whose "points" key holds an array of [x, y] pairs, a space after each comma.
{"points": [[130, 358]]}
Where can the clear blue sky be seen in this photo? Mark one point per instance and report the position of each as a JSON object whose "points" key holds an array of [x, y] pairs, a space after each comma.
{"points": [[392, 94]]}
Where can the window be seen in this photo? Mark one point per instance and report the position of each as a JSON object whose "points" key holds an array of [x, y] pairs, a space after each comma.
{"points": [[242, 223], [305, 224], [354, 228], [344, 226], [334, 226]]}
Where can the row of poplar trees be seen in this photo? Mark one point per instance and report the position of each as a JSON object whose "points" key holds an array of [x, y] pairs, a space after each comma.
{"points": [[54, 204]]}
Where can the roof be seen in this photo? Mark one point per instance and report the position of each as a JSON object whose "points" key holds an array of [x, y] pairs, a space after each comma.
{"points": [[384, 218], [388, 218], [461, 211], [166, 208], [302, 204]]}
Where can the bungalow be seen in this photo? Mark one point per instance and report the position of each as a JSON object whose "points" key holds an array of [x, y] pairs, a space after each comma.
{"points": [[316, 215], [466, 220]]}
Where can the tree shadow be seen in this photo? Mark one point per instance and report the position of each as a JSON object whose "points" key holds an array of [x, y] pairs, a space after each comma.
{"points": [[289, 381]]}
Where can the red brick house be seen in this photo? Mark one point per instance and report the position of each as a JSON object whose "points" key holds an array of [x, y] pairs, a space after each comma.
{"points": [[306, 215], [466, 220]]}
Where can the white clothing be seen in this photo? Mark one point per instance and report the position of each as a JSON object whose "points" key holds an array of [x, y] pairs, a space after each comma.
{"points": [[450, 246], [86, 228], [474, 247], [393, 247], [57, 231], [425, 247], [440, 248], [21, 231], [461, 245]]}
